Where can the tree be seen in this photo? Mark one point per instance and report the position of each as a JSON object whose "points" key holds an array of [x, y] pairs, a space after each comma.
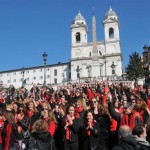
{"points": [[135, 68]]}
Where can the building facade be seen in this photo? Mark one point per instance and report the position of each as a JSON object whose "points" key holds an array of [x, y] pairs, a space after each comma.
{"points": [[97, 59], [108, 50]]}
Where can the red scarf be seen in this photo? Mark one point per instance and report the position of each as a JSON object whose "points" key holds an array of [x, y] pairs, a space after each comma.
{"points": [[141, 115], [30, 113], [89, 131], [125, 119], [7, 138], [68, 132], [78, 110]]}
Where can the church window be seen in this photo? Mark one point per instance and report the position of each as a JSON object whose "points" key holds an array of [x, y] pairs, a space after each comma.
{"points": [[100, 53], [78, 37], [111, 33]]}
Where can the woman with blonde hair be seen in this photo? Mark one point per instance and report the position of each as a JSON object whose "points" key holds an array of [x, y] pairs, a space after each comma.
{"points": [[40, 137], [49, 117], [33, 111]]}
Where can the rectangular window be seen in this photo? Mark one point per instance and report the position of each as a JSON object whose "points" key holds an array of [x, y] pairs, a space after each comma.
{"points": [[14, 80], [34, 78], [48, 76], [40, 70], [55, 72], [1, 75], [41, 77], [14, 73], [8, 81], [34, 71], [27, 71]]}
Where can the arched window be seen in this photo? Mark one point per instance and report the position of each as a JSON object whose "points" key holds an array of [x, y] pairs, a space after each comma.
{"points": [[78, 37], [100, 53], [111, 33]]}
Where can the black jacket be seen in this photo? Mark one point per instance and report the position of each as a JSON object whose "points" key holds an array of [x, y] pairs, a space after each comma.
{"points": [[91, 141], [128, 143], [74, 129], [144, 145], [41, 141], [14, 135]]}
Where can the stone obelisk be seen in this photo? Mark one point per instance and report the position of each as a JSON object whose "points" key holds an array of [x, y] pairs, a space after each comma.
{"points": [[95, 65], [94, 56]]}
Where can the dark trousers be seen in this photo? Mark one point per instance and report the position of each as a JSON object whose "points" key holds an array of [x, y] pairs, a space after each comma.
{"points": [[113, 139], [71, 145]]}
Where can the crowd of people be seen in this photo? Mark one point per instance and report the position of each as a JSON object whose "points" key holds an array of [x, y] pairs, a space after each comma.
{"points": [[76, 116]]}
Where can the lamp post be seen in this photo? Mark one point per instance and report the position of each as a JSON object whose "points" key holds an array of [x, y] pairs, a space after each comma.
{"points": [[44, 60], [23, 76]]}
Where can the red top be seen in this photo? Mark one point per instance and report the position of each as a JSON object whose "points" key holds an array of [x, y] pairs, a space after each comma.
{"points": [[52, 127]]}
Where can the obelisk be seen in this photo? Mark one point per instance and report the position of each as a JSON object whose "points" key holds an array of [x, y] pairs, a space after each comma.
{"points": [[95, 65], [95, 55]]}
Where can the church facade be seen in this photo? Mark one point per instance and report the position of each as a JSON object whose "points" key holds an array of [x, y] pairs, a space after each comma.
{"points": [[108, 50], [97, 59]]}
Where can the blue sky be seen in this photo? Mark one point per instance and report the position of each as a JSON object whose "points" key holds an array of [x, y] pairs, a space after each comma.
{"points": [[30, 27]]}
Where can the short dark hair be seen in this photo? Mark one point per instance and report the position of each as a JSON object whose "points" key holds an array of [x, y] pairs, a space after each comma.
{"points": [[137, 130]]}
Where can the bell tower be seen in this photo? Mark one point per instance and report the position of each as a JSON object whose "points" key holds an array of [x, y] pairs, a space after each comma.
{"points": [[79, 32], [111, 32]]}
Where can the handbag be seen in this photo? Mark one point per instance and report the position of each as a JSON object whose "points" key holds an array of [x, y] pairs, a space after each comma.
{"points": [[26, 134]]}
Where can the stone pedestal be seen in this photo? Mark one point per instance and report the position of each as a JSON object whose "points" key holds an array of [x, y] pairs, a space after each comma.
{"points": [[95, 69]]}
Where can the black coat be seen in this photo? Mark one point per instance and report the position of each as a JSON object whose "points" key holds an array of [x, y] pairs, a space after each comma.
{"points": [[14, 135], [92, 141], [41, 141], [74, 129]]}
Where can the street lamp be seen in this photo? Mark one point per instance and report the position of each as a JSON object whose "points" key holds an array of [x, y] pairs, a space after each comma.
{"points": [[44, 60], [22, 76]]}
